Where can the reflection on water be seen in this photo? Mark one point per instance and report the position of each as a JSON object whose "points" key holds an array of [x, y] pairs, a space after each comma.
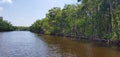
{"points": [[21, 44], [27, 44], [69, 48]]}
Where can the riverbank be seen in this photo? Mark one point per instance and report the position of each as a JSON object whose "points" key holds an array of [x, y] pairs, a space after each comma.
{"points": [[115, 44]]}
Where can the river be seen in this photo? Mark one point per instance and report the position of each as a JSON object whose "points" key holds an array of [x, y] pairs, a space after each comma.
{"points": [[28, 44]]}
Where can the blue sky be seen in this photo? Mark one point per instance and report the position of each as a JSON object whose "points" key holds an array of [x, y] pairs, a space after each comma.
{"points": [[26, 12]]}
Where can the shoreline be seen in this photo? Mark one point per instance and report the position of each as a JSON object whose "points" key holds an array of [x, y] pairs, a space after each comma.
{"points": [[95, 41]]}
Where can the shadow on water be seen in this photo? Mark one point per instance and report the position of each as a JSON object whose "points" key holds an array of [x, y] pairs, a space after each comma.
{"points": [[73, 48]]}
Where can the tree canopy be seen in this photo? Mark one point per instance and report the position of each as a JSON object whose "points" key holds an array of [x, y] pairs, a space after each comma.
{"points": [[90, 19]]}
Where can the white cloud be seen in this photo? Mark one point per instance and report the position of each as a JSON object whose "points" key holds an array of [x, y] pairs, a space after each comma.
{"points": [[6, 1], [1, 9]]}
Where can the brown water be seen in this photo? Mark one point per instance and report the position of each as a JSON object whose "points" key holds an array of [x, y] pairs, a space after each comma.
{"points": [[28, 44]]}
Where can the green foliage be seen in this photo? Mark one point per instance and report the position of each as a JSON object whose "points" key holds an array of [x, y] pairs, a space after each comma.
{"points": [[5, 25], [91, 19]]}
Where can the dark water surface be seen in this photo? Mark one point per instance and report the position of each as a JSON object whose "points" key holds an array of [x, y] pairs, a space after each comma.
{"points": [[28, 44]]}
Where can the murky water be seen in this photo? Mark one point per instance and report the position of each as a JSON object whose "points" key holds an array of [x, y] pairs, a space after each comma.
{"points": [[28, 44]]}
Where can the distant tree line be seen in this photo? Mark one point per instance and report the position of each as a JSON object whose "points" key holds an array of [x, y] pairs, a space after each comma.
{"points": [[5, 25], [21, 28]]}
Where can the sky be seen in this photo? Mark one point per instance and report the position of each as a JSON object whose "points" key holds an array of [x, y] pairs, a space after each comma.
{"points": [[26, 12]]}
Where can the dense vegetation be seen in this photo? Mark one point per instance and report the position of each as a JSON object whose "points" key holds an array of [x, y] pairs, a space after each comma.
{"points": [[90, 19], [5, 25]]}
